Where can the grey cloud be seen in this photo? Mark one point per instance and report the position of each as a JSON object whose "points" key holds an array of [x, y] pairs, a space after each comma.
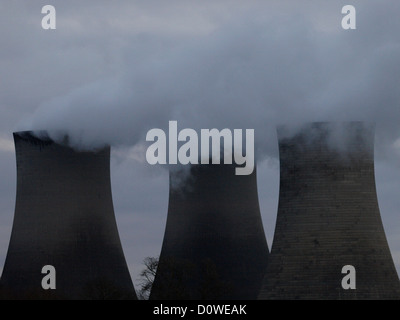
{"points": [[249, 73]]}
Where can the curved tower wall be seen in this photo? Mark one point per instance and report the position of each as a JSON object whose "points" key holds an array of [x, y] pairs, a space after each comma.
{"points": [[328, 217], [64, 217], [214, 244]]}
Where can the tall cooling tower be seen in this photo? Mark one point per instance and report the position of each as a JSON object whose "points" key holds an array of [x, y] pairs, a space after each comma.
{"points": [[214, 244], [64, 218], [328, 218]]}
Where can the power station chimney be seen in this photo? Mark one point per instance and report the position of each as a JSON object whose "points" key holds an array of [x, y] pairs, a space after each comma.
{"points": [[64, 218], [214, 243], [329, 241]]}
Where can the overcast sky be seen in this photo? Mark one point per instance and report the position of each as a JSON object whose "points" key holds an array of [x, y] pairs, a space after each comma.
{"points": [[112, 70]]}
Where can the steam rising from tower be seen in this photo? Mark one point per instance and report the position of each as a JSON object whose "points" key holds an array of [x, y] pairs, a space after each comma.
{"points": [[328, 217], [64, 217]]}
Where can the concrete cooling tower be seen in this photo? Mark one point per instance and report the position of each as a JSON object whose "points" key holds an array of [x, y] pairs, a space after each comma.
{"points": [[328, 218], [214, 244], [64, 218]]}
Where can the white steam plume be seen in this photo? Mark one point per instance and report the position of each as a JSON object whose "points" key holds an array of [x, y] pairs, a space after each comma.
{"points": [[256, 71]]}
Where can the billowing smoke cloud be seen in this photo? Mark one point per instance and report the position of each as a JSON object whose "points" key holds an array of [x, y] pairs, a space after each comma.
{"points": [[256, 70]]}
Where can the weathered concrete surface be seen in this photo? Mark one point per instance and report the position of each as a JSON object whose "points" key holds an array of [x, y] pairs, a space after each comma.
{"points": [[328, 217], [64, 217], [214, 244]]}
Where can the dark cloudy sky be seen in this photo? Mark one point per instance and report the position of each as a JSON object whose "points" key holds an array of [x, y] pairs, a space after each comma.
{"points": [[114, 69]]}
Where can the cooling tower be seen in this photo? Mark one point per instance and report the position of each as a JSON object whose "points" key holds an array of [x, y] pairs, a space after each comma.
{"points": [[214, 245], [64, 218], [328, 218]]}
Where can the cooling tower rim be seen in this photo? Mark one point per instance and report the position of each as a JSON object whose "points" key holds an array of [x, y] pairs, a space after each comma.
{"points": [[42, 137], [322, 123], [36, 137], [295, 129]]}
